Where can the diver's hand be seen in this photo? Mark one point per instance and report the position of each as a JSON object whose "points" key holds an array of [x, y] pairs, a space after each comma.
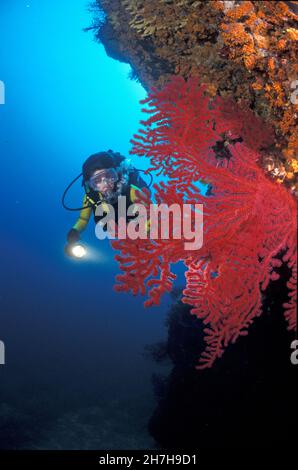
{"points": [[68, 250], [73, 236]]}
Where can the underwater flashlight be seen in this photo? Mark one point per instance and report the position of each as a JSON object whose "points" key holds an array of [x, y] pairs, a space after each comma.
{"points": [[78, 251]]}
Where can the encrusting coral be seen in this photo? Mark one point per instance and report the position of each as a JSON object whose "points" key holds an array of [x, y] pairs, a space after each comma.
{"points": [[246, 50]]}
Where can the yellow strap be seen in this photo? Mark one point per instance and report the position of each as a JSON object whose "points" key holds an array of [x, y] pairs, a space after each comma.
{"points": [[105, 207]]}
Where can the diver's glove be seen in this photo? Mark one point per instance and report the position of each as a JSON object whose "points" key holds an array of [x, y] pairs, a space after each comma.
{"points": [[73, 236], [68, 250]]}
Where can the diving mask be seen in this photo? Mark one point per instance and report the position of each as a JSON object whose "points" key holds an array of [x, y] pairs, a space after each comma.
{"points": [[103, 180]]}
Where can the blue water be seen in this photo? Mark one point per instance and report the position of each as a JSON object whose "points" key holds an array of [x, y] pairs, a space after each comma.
{"points": [[75, 376]]}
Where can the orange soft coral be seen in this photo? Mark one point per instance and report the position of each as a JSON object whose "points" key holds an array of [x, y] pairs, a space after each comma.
{"points": [[245, 50]]}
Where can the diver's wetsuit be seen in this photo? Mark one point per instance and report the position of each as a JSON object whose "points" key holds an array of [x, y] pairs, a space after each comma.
{"points": [[96, 199]]}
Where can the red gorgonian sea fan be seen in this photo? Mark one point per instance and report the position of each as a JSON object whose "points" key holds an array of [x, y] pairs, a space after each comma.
{"points": [[248, 219]]}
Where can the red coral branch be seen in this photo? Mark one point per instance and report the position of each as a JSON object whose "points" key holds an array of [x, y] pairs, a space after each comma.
{"points": [[248, 220]]}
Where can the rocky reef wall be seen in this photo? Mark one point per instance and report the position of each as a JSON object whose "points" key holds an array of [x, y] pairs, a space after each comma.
{"points": [[240, 49]]}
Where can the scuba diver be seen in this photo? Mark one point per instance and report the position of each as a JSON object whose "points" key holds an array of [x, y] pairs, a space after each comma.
{"points": [[106, 176]]}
